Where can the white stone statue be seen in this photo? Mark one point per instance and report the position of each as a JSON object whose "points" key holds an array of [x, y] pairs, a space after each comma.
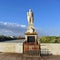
{"points": [[30, 19]]}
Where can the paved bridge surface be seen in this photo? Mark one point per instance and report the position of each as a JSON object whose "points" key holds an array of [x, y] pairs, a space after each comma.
{"points": [[14, 56]]}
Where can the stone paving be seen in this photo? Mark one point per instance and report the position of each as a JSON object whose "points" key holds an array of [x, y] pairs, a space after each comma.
{"points": [[14, 56]]}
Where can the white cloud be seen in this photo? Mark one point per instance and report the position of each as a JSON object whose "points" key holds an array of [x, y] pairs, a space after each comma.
{"points": [[23, 26], [5, 23], [7, 28], [12, 24]]}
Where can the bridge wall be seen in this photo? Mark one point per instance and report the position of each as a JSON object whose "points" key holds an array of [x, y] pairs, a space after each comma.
{"points": [[46, 48], [11, 47], [50, 48]]}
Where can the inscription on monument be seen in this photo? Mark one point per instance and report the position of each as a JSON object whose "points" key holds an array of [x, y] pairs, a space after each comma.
{"points": [[30, 39]]}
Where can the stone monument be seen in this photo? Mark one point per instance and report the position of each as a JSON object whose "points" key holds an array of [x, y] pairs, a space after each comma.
{"points": [[31, 33], [31, 36]]}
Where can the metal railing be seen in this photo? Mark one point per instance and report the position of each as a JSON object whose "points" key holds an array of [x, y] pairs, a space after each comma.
{"points": [[32, 53]]}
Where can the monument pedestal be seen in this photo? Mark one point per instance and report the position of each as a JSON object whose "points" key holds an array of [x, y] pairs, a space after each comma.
{"points": [[31, 46]]}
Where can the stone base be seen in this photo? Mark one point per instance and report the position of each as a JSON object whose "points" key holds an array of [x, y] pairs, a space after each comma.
{"points": [[29, 47]]}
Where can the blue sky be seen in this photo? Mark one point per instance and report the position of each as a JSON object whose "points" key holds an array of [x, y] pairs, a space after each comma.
{"points": [[46, 14]]}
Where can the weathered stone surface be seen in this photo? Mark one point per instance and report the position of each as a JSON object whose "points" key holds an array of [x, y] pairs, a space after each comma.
{"points": [[11, 47], [50, 48]]}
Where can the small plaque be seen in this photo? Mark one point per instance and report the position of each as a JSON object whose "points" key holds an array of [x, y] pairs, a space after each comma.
{"points": [[30, 39]]}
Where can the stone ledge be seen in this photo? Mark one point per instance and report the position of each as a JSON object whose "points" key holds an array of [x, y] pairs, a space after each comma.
{"points": [[33, 33]]}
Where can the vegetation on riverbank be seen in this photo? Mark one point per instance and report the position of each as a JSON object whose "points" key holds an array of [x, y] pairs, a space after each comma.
{"points": [[6, 38], [49, 39], [42, 39]]}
